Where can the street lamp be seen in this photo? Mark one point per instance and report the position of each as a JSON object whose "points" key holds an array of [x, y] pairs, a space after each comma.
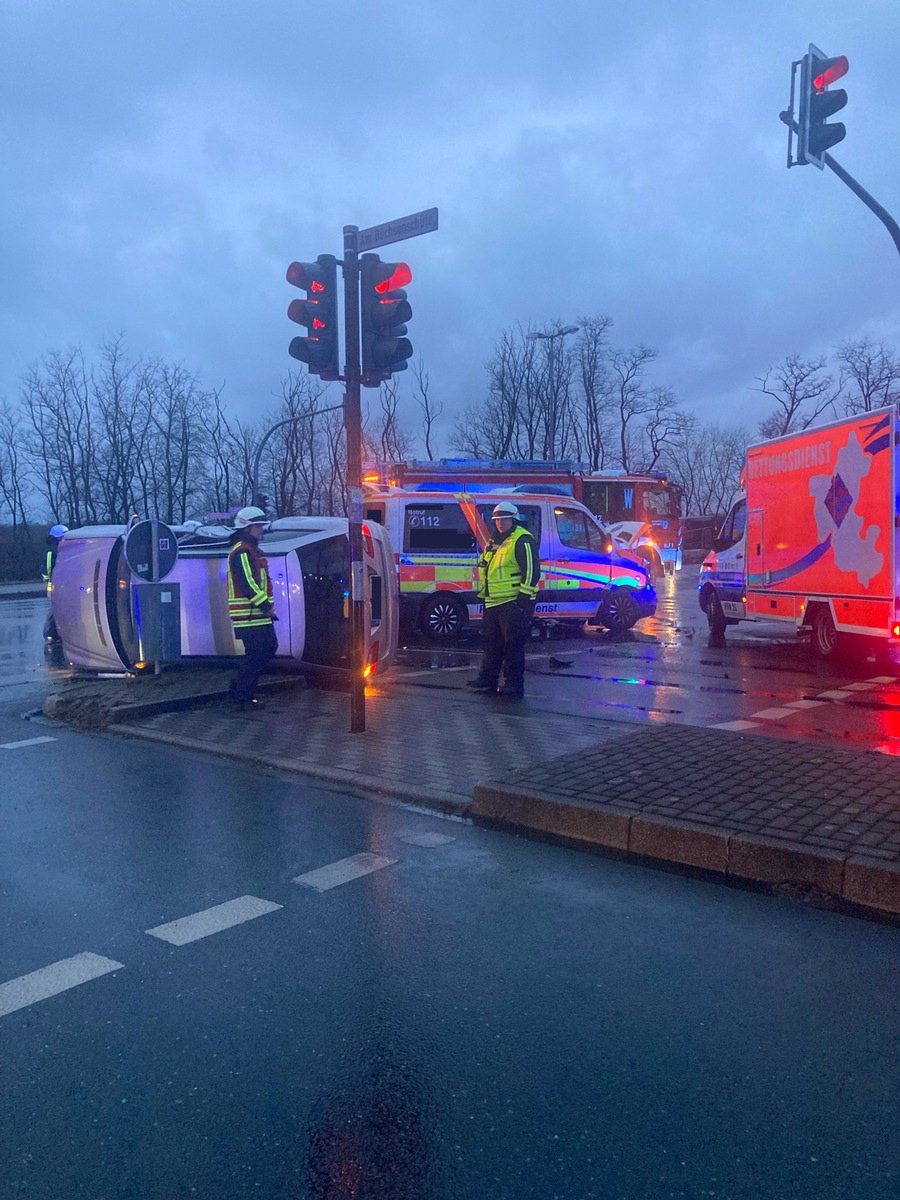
{"points": [[551, 416]]}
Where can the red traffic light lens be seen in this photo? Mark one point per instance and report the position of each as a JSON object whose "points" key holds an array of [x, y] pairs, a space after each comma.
{"points": [[832, 69], [401, 276]]}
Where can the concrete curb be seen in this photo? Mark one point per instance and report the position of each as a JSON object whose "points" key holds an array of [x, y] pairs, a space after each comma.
{"points": [[446, 802], [853, 879]]}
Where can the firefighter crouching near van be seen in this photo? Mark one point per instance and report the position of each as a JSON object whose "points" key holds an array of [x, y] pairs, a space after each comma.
{"points": [[508, 575], [250, 605]]}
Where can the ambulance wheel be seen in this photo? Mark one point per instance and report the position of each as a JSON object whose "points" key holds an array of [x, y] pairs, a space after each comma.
{"points": [[825, 638], [443, 617], [618, 610]]}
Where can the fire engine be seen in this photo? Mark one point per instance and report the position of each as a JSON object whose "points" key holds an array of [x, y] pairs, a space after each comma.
{"points": [[641, 512]]}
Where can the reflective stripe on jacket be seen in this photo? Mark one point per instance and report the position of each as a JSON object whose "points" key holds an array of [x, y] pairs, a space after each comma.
{"points": [[510, 569], [249, 586]]}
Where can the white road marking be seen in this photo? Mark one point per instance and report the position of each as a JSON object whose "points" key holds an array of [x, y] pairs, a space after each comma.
{"points": [[883, 679], [28, 742], [836, 695], [804, 703], [859, 687], [343, 871], [426, 839], [212, 920], [771, 714], [737, 726], [50, 981]]}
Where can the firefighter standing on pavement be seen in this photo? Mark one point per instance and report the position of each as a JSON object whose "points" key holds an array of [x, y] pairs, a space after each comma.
{"points": [[54, 537], [250, 604], [508, 575]]}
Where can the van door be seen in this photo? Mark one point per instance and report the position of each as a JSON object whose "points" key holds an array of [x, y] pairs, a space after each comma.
{"points": [[731, 548], [578, 565]]}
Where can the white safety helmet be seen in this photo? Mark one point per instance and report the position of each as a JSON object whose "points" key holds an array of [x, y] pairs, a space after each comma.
{"points": [[506, 509], [58, 530], [251, 515]]}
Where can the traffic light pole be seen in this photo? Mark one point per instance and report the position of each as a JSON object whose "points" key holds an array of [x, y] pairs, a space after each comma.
{"points": [[858, 190], [353, 427]]}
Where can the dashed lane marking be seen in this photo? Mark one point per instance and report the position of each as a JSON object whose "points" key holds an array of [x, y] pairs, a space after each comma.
{"points": [[804, 703], [27, 742], [838, 694], [737, 726], [212, 920], [771, 714], [50, 981], [883, 679], [859, 687], [429, 840], [343, 871]]}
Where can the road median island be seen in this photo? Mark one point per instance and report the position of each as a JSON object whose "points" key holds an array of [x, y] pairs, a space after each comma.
{"points": [[800, 820]]}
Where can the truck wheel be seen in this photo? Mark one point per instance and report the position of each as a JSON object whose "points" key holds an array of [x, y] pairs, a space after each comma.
{"points": [[825, 638], [618, 610], [443, 617], [715, 618]]}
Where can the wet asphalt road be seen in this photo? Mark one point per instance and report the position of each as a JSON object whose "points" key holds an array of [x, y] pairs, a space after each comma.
{"points": [[478, 1016]]}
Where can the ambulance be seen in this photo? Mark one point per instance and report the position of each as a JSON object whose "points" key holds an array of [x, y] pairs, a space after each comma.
{"points": [[812, 542], [94, 596], [436, 538]]}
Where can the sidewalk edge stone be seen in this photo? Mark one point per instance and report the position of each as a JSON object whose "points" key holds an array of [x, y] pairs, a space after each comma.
{"points": [[766, 860], [541, 811], [873, 883], [680, 841]]}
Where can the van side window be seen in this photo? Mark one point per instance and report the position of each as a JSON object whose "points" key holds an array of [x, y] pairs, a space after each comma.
{"points": [[436, 529], [572, 530], [531, 515], [735, 526]]}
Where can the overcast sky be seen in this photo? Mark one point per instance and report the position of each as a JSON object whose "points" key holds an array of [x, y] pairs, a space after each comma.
{"points": [[164, 161]]}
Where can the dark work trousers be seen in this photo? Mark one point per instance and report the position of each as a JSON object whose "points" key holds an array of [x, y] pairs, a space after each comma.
{"points": [[260, 644], [506, 628]]}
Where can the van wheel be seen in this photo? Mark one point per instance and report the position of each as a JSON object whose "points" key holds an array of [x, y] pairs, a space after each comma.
{"points": [[825, 638], [443, 617], [618, 610], [715, 617]]}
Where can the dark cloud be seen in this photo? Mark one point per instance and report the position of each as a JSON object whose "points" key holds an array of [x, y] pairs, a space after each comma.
{"points": [[165, 161]]}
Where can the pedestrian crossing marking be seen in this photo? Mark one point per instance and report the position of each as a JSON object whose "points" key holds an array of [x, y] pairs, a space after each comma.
{"points": [[343, 871], [428, 840], [36, 741], [212, 920], [50, 981]]}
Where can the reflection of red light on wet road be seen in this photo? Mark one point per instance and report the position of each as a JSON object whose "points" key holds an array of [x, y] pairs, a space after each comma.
{"points": [[888, 725]]}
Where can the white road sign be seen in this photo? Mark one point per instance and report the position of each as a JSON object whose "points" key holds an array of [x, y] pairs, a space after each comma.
{"points": [[396, 231]]}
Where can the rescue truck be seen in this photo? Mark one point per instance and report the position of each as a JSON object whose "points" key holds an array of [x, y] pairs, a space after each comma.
{"points": [[641, 512], [93, 595], [437, 535], [812, 540]]}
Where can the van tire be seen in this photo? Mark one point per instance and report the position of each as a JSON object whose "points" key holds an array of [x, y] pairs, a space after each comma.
{"points": [[618, 610], [825, 638], [443, 617]]}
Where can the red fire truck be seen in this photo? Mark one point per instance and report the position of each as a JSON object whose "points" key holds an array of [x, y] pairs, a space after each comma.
{"points": [[642, 512]]}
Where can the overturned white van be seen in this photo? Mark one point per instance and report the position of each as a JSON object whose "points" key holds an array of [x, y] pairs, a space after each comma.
{"points": [[93, 595]]}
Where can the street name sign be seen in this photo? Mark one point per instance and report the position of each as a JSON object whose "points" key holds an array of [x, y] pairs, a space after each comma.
{"points": [[397, 231]]}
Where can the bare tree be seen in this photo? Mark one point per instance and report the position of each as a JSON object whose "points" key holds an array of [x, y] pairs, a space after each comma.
{"points": [[430, 409], [629, 399], [60, 445], [13, 475], [595, 399], [873, 371], [801, 394]]}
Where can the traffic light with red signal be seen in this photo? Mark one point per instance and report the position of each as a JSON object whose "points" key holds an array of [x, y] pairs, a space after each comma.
{"points": [[817, 104], [384, 311], [318, 313]]}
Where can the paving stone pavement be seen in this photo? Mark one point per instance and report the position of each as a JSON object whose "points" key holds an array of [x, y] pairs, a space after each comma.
{"points": [[824, 822]]}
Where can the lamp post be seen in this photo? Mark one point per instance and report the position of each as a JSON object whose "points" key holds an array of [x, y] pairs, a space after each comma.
{"points": [[551, 338], [281, 424]]}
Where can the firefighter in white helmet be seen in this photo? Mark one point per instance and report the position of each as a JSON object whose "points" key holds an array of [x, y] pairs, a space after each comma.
{"points": [[250, 604], [508, 575]]}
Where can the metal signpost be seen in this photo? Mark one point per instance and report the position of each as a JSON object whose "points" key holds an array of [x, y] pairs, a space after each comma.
{"points": [[356, 239], [151, 551], [386, 348]]}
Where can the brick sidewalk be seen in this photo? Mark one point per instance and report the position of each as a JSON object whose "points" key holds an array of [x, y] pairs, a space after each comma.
{"points": [[823, 822]]}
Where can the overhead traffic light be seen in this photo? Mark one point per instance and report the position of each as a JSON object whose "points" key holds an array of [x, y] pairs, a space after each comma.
{"points": [[318, 312], [384, 311], [817, 104]]}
